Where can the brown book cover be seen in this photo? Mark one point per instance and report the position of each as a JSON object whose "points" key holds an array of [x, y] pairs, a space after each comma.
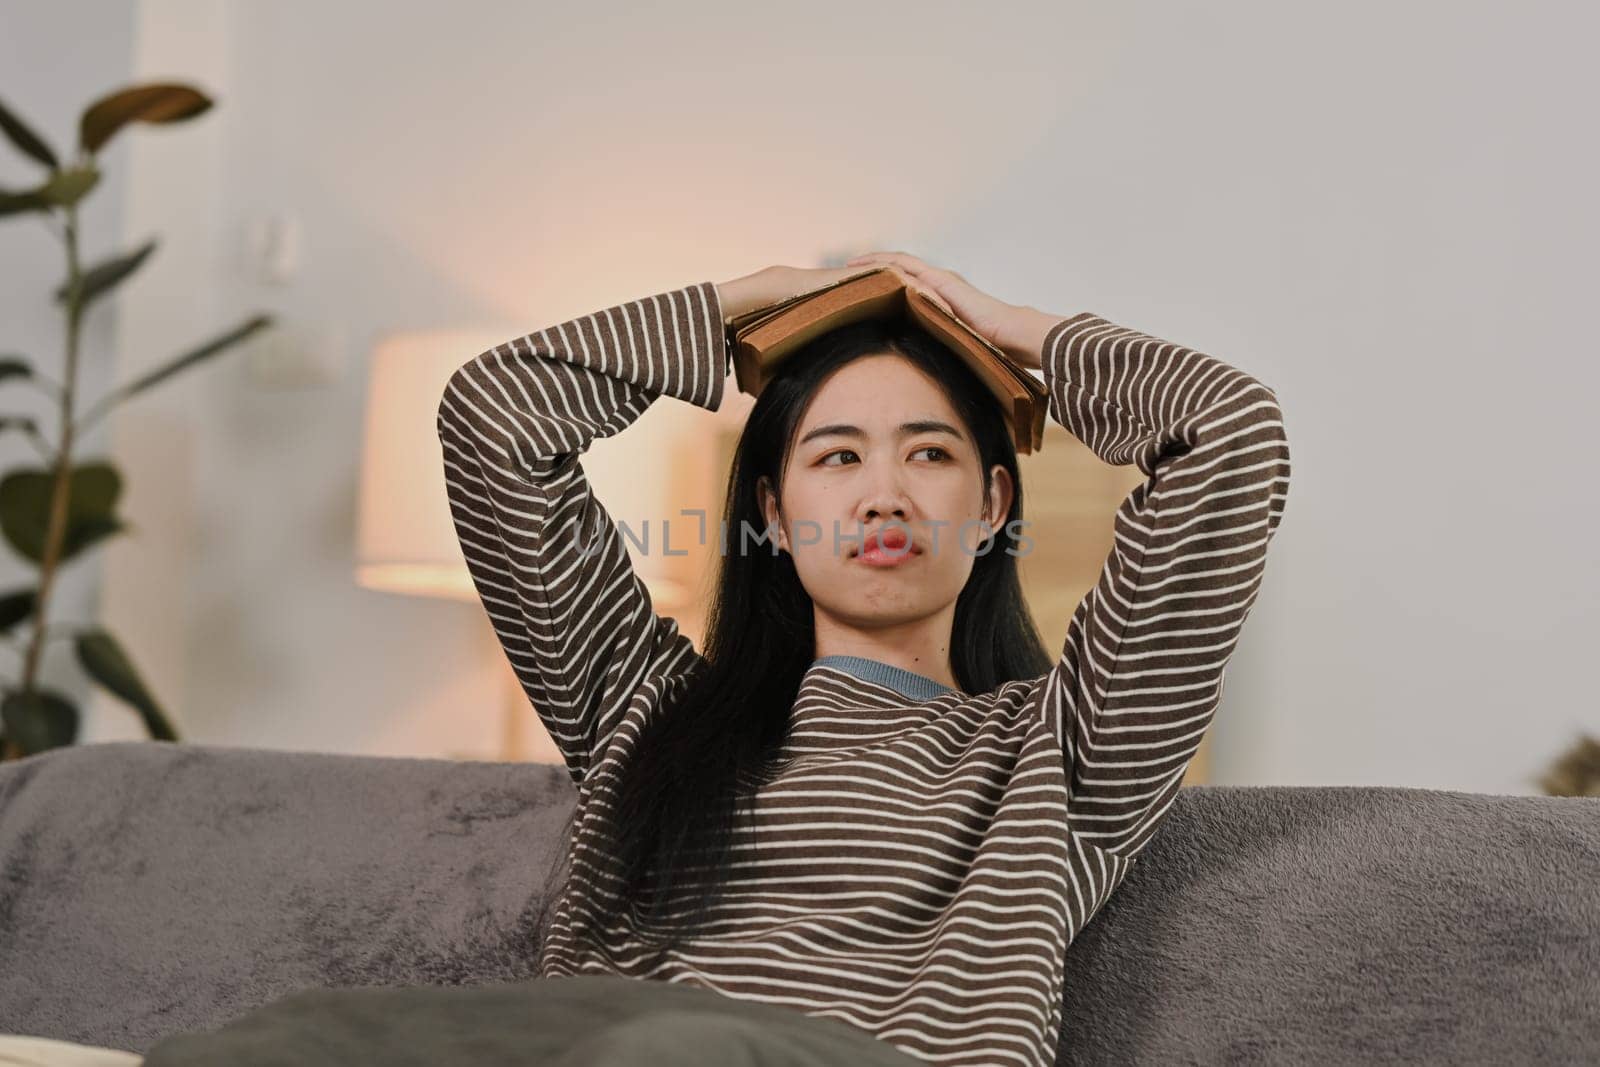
{"points": [[760, 340]]}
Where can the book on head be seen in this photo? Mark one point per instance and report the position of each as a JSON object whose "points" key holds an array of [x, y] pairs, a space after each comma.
{"points": [[762, 338]]}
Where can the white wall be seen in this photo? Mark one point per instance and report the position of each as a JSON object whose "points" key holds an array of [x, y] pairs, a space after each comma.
{"points": [[1384, 211]]}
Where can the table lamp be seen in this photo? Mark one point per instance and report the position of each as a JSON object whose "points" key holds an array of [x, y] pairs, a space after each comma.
{"points": [[406, 539]]}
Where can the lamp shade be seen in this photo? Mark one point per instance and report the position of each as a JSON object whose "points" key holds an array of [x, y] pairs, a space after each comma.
{"points": [[406, 540]]}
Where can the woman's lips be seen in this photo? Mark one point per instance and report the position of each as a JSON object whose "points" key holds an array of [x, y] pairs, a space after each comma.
{"points": [[882, 557], [888, 548]]}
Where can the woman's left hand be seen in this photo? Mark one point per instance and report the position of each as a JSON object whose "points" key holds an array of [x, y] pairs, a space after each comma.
{"points": [[991, 318]]}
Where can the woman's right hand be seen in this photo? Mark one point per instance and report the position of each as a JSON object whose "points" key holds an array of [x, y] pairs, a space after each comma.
{"points": [[769, 285]]}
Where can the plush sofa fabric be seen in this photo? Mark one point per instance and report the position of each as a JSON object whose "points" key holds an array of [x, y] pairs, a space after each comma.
{"points": [[150, 888]]}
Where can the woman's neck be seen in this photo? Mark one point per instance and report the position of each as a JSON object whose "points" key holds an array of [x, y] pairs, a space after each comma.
{"points": [[921, 646]]}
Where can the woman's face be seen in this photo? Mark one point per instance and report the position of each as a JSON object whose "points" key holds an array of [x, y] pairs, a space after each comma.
{"points": [[881, 449]]}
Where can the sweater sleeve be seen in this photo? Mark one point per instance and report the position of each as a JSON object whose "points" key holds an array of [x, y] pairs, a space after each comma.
{"points": [[549, 564], [1141, 669]]}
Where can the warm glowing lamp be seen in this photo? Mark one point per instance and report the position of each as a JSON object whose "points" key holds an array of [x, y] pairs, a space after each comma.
{"points": [[406, 540]]}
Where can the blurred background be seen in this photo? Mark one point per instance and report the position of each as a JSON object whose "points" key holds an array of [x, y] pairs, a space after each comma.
{"points": [[1386, 212]]}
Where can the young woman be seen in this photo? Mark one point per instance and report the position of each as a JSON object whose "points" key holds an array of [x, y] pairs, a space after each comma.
{"points": [[864, 823], [873, 796]]}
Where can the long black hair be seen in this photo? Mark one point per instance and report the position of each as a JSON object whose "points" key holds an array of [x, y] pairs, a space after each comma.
{"points": [[675, 812]]}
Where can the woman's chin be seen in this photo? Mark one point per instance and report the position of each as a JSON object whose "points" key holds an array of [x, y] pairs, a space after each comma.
{"points": [[869, 604]]}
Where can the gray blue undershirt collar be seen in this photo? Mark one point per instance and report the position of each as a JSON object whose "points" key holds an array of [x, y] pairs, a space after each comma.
{"points": [[908, 683]]}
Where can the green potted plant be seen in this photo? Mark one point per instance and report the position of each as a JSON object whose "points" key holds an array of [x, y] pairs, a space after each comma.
{"points": [[54, 512], [1576, 771]]}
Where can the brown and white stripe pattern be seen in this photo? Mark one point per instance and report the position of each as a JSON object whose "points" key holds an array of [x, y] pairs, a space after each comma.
{"points": [[916, 866], [548, 563]]}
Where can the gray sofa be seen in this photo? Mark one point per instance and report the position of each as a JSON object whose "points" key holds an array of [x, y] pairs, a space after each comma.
{"points": [[149, 888]]}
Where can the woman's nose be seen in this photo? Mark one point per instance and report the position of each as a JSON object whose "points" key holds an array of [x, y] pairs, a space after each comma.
{"points": [[883, 507], [883, 495]]}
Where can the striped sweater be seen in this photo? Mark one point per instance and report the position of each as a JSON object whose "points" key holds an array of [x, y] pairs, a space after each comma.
{"points": [[922, 857]]}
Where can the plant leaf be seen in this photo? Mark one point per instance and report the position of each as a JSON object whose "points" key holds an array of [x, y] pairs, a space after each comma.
{"points": [[63, 189], [14, 366], [92, 492], [157, 102], [40, 720], [83, 533], [25, 139], [103, 276], [15, 606], [102, 656], [205, 351], [67, 187], [15, 203]]}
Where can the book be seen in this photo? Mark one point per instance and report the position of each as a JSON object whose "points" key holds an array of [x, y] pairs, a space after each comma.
{"points": [[762, 338]]}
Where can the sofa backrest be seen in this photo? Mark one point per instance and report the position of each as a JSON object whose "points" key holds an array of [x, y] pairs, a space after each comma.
{"points": [[150, 888]]}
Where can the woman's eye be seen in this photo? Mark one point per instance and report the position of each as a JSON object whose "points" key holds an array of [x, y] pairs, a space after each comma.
{"points": [[942, 455]]}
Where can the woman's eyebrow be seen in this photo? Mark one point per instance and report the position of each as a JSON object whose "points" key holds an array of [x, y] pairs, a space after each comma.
{"points": [[844, 429]]}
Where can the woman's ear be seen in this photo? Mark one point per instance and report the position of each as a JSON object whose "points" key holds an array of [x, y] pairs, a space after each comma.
{"points": [[770, 511], [998, 504]]}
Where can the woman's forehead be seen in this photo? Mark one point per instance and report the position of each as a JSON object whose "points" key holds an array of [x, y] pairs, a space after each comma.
{"points": [[878, 394]]}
